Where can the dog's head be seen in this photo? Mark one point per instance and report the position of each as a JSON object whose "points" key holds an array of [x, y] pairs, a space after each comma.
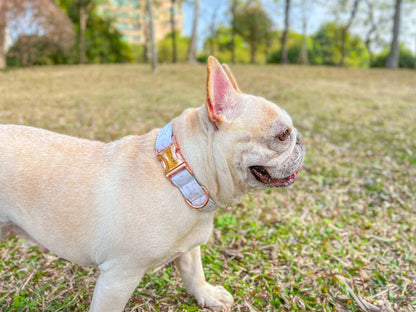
{"points": [[255, 141]]}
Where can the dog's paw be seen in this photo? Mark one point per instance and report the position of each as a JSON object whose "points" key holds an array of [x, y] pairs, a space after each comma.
{"points": [[215, 298]]}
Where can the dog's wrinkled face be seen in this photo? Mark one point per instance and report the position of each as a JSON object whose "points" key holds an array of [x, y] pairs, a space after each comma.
{"points": [[257, 137], [271, 154]]}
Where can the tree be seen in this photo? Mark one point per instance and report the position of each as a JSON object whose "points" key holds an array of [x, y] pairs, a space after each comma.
{"points": [[253, 25], [345, 29], [375, 19], [80, 12], [33, 21], [146, 42], [221, 42], [303, 54], [414, 66], [3, 25], [173, 30], [268, 40], [284, 59], [152, 35], [372, 28], [326, 48], [233, 9], [406, 58], [393, 57], [294, 47], [192, 43], [102, 41], [164, 48], [85, 7], [212, 30]]}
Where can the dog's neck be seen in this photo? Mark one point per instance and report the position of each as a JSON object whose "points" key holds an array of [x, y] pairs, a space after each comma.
{"points": [[196, 137]]}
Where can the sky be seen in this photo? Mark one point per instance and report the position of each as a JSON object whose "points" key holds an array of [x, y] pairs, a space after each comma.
{"points": [[317, 14]]}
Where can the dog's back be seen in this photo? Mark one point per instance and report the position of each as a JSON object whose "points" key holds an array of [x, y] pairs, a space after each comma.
{"points": [[34, 164]]}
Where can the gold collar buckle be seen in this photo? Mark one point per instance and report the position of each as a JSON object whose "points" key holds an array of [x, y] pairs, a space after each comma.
{"points": [[172, 160]]}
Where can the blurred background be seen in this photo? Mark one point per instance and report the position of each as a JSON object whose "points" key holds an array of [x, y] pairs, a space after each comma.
{"points": [[352, 33]]}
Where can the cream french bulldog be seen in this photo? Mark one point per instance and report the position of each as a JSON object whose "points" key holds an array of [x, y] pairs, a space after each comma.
{"points": [[115, 206]]}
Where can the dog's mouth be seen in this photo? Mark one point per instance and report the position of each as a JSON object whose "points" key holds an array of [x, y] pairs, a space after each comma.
{"points": [[261, 174]]}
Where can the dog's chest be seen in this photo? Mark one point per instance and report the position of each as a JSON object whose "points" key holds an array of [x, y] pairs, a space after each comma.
{"points": [[191, 236], [197, 234]]}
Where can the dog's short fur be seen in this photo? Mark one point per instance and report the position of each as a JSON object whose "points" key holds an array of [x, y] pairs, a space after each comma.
{"points": [[110, 206]]}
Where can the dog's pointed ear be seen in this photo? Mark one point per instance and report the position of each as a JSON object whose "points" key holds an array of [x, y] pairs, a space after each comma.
{"points": [[221, 93], [231, 78]]}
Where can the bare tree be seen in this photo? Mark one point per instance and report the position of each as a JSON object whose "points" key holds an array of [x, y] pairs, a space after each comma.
{"points": [[345, 29], [233, 9], [146, 44], [393, 57], [372, 28], [85, 7], [152, 35], [267, 44], [173, 29], [303, 55], [2, 34], [284, 59], [213, 29], [192, 44], [415, 53]]}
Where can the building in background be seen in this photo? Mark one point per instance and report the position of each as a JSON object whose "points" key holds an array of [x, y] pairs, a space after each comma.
{"points": [[130, 18]]}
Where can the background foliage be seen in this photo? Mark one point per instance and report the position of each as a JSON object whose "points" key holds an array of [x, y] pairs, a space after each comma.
{"points": [[257, 39]]}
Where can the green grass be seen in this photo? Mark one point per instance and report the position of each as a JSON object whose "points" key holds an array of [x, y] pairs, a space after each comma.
{"points": [[343, 238]]}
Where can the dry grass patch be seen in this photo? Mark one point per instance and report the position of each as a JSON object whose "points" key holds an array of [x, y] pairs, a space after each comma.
{"points": [[343, 238]]}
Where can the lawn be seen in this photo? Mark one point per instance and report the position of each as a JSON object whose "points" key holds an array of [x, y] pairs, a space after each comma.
{"points": [[342, 238]]}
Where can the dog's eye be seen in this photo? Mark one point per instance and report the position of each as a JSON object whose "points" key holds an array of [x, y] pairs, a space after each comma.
{"points": [[284, 135]]}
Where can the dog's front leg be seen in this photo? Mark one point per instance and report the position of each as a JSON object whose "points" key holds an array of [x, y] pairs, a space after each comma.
{"points": [[192, 273], [114, 288]]}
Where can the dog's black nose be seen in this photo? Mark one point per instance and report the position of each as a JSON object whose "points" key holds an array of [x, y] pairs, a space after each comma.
{"points": [[297, 138]]}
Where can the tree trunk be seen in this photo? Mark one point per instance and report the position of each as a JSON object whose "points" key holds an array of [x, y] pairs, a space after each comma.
{"points": [[393, 58], [152, 35], [370, 52], [284, 59], [372, 29], [192, 44], [83, 17], [211, 45], [2, 35], [368, 46], [145, 53], [268, 44], [303, 55], [345, 30], [253, 51], [233, 9], [146, 41], [173, 29], [415, 54], [343, 38], [213, 31]]}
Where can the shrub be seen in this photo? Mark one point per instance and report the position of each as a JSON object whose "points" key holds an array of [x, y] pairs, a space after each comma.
{"points": [[406, 58]]}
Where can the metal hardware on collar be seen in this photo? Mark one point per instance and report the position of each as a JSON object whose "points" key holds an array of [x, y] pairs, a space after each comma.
{"points": [[203, 204], [172, 159], [179, 173]]}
